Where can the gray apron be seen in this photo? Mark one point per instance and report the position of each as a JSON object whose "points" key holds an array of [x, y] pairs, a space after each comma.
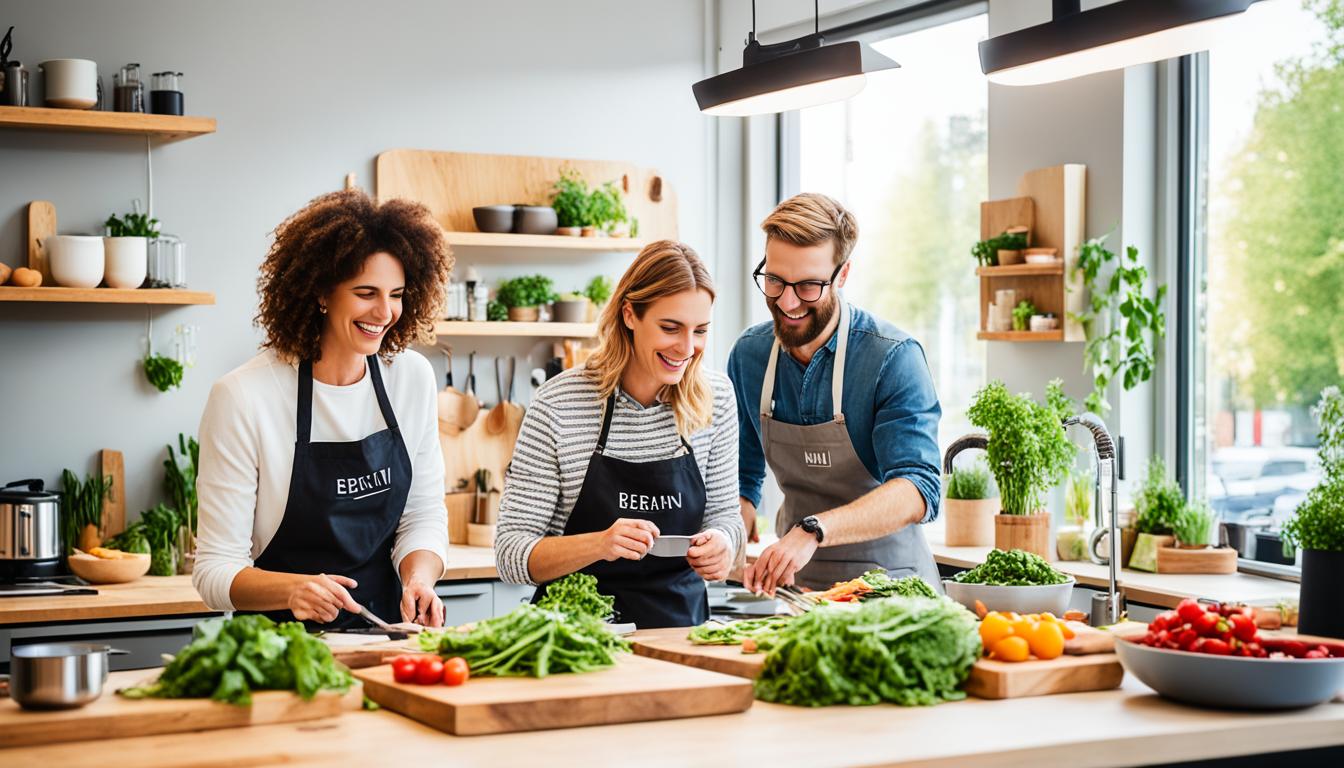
{"points": [[818, 470]]}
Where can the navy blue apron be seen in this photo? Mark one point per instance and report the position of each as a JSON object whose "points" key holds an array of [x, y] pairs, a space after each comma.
{"points": [[656, 591], [345, 501]]}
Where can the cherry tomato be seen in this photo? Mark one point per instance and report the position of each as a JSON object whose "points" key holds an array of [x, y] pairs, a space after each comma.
{"points": [[1046, 640], [1190, 610], [403, 669], [1214, 646], [428, 670], [1188, 639], [1206, 624], [1243, 627], [455, 671], [1011, 648], [993, 628]]}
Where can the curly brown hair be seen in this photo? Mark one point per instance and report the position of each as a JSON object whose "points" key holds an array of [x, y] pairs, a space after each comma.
{"points": [[326, 243]]}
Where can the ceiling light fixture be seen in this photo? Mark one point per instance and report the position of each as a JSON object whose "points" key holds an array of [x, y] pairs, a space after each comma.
{"points": [[798, 73], [1124, 33]]}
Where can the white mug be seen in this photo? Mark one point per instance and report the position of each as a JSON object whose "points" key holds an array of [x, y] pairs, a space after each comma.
{"points": [[125, 261], [76, 261], [70, 83]]}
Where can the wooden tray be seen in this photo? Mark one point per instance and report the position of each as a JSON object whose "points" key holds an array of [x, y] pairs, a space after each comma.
{"points": [[1211, 560], [113, 717], [636, 689]]}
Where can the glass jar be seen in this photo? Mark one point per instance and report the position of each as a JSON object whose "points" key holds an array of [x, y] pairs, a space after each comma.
{"points": [[167, 262]]}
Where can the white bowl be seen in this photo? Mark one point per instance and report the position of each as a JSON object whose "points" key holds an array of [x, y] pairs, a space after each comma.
{"points": [[126, 260], [1052, 598], [1232, 682], [76, 261]]}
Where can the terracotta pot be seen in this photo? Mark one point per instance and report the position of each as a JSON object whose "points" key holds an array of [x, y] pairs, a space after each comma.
{"points": [[524, 314], [569, 231], [1007, 257], [969, 522], [1029, 533]]}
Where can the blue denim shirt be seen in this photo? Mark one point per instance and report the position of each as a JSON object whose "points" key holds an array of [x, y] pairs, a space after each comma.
{"points": [[891, 409]]}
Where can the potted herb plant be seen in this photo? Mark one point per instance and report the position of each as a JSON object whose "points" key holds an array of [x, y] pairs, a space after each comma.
{"points": [[1071, 539], [524, 296], [180, 483], [1157, 504], [1028, 455], [82, 509], [606, 212], [969, 508], [1193, 552], [570, 201], [1317, 528], [571, 308], [1003, 248], [126, 248], [598, 291], [1022, 315]]}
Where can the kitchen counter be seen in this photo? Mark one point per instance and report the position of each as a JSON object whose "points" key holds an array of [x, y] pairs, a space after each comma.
{"points": [[1128, 726]]}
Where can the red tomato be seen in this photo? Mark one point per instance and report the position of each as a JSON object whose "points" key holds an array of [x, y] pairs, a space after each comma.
{"points": [[1316, 653], [1243, 627], [455, 671], [1187, 639], [428, 670], [1214, 646], [1190, 610], [403, 669], [1206, 624]]}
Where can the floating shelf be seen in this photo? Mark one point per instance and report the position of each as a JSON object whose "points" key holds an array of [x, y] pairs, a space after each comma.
{"points": [[105, 295], [506, 328], [1056, 335], [1021, 270], [507, 240], [165, 127]]}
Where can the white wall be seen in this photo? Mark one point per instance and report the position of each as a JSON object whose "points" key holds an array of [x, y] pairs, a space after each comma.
{"points": [[305, 91]]}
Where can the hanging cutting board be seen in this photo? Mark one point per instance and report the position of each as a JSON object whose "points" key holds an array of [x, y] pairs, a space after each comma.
{"points": [[114, 504], [41, 225], [474, 448], [635, 690], [114, 717], [988, 679]]}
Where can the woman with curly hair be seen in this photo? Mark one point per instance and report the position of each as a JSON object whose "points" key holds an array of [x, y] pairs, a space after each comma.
{"points": [[640, 443], [321, 475]]}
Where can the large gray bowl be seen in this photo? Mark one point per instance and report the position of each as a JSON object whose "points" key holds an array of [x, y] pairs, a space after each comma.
{"points": [[1053, 598], [1233, 682]]}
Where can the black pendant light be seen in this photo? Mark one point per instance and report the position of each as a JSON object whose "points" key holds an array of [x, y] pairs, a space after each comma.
{"points": [[1124, 33], [802, 72]]}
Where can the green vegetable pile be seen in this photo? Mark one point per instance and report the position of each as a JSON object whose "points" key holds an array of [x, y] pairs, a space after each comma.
{"points": [[155, 533], [1013, 568], [885, 586], [562, 633], [909, 651], [227, 659], [734, 632]]}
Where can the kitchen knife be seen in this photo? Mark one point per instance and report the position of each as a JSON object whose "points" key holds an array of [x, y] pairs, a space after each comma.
{"points": [[671, 546]]}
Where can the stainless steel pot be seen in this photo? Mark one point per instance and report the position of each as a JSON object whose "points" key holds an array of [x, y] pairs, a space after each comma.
{"points": [[30, 523], [58, 675]]}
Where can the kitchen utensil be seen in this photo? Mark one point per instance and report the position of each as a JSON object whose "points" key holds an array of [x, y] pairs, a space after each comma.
{"points": [[58, 675], [114, 504], [97, 570], [71, 83], [125, 261], [15, 82], [76, 261], [493, 218], [1053, 598], [450, 399], [513, 412], [1233, 682], [469, 407], [41, 227], [30, 531], [165, 95], [668, 545], [128, 90], [534, 220], [402, 627], [495, 421]]}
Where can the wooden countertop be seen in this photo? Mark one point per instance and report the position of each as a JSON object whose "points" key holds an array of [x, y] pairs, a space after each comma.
{"points": [[174, 595], [1120, 727]]}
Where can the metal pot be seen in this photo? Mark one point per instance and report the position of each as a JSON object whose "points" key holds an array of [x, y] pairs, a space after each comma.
{"points": [[58, 675], [30, 530]]}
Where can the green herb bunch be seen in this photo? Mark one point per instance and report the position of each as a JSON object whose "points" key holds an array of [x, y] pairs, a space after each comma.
{"points": [[82, 504], [606, 207], [969, 483], [529, 291], [1028, 451], [1194, 524], [986, 252], [132, 225], [1014, 568], [496, 312], [577, 594], [1022, 315], [164, 373], [598, 290], [180, 482], [734, 632], [1159, 501], [1319, 521], [530, 641], [570, 199], [885, 586]]}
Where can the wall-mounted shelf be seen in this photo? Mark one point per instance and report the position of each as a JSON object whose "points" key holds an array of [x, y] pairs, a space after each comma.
{"points": [[1056, 335], [506, 328], [163, 127], [105, 295], [1021, 270], [507, 240]]}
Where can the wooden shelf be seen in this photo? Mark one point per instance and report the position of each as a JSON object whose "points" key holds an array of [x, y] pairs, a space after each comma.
{"points": [[1055, 335], [505, 328], [165, 127], [105, 295], [508, 240], [1021, 270]]}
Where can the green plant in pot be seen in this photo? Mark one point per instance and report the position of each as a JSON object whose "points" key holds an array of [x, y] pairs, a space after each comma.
{"points": [[1317, 528], [1157, 505], [970, 507], [570, 196], [606, 211], [1028, 455], [571, 308], [126, 248], [1194, 525], [1022, 315], [523, 296], [598, 292], [986, 252], [1071, 539]]}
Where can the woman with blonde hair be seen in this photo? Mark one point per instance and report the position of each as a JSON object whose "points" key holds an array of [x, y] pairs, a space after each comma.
{"points": [[639, 443]]}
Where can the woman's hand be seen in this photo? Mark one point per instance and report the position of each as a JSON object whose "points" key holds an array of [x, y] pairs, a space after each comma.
{"points": [[321, 597], [420, 605], [710, 555], [628, 539]]}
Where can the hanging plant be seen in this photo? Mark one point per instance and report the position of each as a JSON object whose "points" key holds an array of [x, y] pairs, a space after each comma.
{"points": [[164, 373]]}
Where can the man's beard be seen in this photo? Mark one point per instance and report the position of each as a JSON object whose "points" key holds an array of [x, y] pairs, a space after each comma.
{"points": [[818, 317]]}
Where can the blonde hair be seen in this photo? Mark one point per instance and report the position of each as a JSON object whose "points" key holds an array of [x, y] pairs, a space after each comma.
{"points": [[812, 219], [663, 268]]}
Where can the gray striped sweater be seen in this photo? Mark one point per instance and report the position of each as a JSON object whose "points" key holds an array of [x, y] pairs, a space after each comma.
{"points": [[557, 438]]}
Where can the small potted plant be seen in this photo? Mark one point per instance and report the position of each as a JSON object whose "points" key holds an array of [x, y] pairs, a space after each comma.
{"points": [[126, 248], [1157, 505], [1317, 528], [571, 308], [570, 201], [524, 296], [969, 508], [1071, 539], [1001, 249], [1193, 552], [1022, 314], [606, 212], [598, 291], [481, 529], [1028, 455]]}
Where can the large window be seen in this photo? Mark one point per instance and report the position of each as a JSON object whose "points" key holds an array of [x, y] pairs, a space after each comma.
{"points": [[1270, 311], [908, 157]]}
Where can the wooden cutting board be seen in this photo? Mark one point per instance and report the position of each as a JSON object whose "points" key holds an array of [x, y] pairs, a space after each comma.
{"points": [[988, 679], [372, 654], [41, 225], [114, 505], [113, 717], [635, 690]]}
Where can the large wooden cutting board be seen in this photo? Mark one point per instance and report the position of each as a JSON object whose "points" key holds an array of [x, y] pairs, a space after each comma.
{"points": [[114, 717], [988, 679], [635, 690]]}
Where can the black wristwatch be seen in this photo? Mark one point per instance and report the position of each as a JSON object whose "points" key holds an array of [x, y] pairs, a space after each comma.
{"points": [[813, 526]]}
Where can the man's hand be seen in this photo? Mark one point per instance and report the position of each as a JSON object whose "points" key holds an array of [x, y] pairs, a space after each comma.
{"points": [[420, 605], [749, 519], [710, 555], [780, 561]]}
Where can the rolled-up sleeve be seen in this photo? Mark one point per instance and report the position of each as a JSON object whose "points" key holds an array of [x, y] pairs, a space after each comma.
{"points": [[722, 511], [226, 489], [531, 497], [905, 429], [424, 521], [750, 456]]}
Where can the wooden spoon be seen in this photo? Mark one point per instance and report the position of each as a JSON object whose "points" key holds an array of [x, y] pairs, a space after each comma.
{"points": [[496, 420], [449, 401], [468, 407]]}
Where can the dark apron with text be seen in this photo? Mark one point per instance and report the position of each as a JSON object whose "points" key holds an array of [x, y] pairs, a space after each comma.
{"points": [[345, 501], [655, 591]]}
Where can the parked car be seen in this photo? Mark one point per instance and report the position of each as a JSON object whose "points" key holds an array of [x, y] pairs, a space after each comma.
{"points": [[1248, 482]]}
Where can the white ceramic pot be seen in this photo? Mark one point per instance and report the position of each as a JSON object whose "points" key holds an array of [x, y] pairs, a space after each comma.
{"points": [[76, 261], [126, 261], [70, 83]]}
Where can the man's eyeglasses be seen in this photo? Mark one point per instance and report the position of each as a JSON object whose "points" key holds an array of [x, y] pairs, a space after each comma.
{"points": [[806, 290]]}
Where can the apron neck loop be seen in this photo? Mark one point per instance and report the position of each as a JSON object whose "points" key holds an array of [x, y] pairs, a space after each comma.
{"points": [[606, 423], [767, 406], [304, 413]]}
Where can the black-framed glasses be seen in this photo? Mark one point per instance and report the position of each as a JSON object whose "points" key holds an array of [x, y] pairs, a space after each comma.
{"points": [[807, 291]]}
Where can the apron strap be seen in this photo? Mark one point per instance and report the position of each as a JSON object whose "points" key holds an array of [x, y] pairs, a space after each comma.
{"points": [[767, 406], [606, 423], [384, 404], [304, 419]]}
